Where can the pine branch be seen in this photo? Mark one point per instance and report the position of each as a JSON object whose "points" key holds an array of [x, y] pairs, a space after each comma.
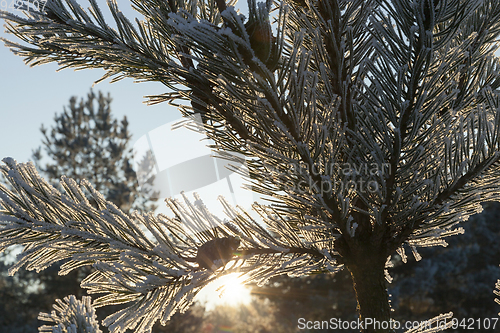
{"points": [[71, 315], [155, 274]]}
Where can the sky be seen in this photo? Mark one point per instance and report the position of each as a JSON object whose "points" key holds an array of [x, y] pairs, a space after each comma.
{"points": [[31, 96]]}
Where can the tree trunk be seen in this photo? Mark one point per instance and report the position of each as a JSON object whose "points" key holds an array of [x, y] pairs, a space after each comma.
{"points": [[367, 272]]}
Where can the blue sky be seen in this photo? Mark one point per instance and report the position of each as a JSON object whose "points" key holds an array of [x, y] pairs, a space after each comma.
{"points": [[31, 96]]}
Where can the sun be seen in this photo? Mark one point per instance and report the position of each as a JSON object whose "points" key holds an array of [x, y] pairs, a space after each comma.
{"points": [[227, 290], [232, 291]]}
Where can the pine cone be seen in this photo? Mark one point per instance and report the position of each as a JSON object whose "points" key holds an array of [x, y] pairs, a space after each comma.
{"points": [[261, 39], [259, 30], [216, 252]]}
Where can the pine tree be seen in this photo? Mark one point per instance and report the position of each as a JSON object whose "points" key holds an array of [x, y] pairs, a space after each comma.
{"points": [[377, 130], [87, 142]]}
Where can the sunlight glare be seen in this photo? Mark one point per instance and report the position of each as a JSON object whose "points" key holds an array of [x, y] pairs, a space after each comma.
{"points": [[226, 290]]}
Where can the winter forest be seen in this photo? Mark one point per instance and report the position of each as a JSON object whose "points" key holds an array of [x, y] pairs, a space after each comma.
{"points": [[369, 131]]}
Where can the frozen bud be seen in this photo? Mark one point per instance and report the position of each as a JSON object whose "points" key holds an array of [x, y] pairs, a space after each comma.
{"points": [[217, 252]]}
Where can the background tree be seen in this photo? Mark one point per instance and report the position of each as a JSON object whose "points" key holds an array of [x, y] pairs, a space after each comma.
{"points": [[313, 297], [86, 142], [455, 278], [360, 84]]}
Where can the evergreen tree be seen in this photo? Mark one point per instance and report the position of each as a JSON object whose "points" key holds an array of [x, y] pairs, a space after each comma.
{"points": [[457, 278], [86, 142], [373, 124], [314, 297]]}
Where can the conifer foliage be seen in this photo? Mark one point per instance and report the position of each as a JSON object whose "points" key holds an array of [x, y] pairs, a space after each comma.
{"points": [[87, 142], [71, 315], [377, 129]]}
